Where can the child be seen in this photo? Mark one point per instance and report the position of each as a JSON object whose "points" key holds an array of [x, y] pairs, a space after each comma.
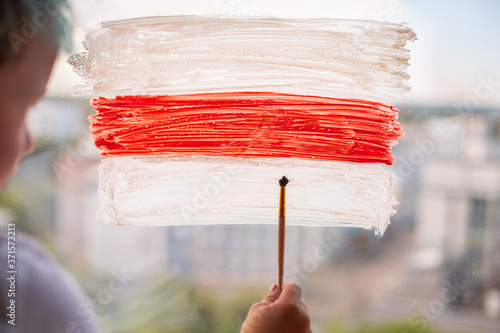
{"points": [[36, 294]]}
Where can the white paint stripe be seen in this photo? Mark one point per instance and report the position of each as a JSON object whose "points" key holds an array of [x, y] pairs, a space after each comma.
{"points": [[189, 54], [163, 190]]}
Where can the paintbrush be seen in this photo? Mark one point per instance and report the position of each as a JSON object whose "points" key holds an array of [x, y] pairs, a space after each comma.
{"points": [[281, 230]]}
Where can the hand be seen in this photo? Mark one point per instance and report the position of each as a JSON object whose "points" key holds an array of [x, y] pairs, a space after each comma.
{"points": [[281, 311]]}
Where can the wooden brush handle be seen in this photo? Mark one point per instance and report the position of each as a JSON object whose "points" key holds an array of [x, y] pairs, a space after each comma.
{"points": [[281, 236], [281, 249]]}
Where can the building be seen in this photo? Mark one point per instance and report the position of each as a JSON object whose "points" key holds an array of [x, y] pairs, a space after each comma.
{"points": [[458, 216]]}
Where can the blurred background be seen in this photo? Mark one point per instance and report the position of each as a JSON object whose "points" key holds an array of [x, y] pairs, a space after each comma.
{"points": [[437, 268]]}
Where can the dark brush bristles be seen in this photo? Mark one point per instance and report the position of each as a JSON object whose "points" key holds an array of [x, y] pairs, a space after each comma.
{"points": [[283, 181]]}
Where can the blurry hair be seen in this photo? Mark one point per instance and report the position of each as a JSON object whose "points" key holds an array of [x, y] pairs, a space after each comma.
{"points": [[22, 20]]}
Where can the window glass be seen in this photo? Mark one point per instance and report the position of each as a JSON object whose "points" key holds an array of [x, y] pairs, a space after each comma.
{"points": [[436, 269]]}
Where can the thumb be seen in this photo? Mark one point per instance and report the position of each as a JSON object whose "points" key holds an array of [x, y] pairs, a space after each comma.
{"points": [[274, 294]]}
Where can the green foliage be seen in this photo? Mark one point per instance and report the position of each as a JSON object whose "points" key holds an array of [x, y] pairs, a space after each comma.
{"points": [[173, 306], [170, 306], [391, 326], [394, 326], [226, 314]]}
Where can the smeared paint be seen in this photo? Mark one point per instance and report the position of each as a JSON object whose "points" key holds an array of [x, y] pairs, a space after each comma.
{"points": [[201, 115], [246, 125], [184, 190], [190, 54]]}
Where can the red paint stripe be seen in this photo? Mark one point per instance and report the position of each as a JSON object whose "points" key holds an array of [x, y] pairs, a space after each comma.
{"points": [[249, 124]]}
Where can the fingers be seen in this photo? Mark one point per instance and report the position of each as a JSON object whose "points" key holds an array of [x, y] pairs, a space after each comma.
{"points": [[296, 312], [290, 293], [274, 294], [282, 310]]}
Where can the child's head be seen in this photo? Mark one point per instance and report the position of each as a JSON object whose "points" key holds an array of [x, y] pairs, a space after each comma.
{"points": [[31, 32]]}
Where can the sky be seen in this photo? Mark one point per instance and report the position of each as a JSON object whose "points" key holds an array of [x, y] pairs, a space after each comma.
{"points": [[455, 59]]}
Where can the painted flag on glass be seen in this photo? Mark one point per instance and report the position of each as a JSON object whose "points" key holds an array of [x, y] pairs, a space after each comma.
{"points": [[198, 118]]}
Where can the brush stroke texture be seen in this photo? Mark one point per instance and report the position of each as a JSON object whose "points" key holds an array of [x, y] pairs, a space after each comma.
{"points": [[362, 63], [183, 190], [246, 125], [189, 54]]}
